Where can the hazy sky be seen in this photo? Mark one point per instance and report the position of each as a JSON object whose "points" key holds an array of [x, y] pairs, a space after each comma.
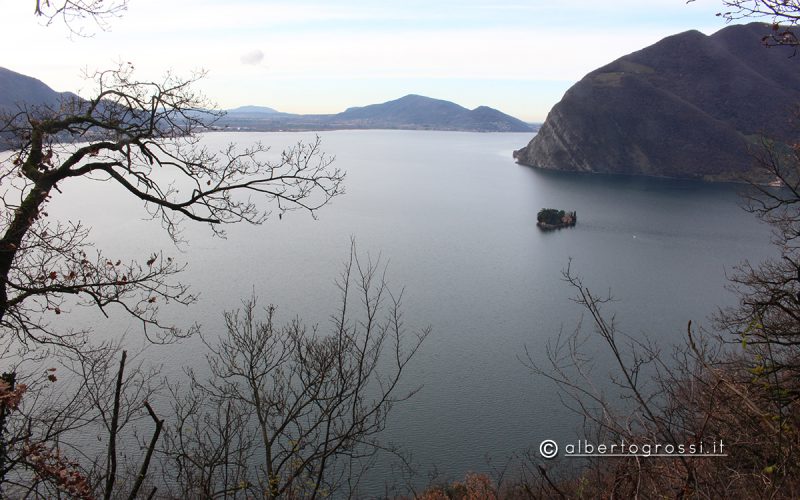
{"points": [[312, 56]]}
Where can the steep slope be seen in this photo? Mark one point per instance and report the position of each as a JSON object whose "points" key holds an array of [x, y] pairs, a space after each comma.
{"points": [[687, 106], [19, 90]]}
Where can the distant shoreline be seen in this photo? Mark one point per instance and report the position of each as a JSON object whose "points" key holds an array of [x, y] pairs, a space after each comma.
{"points": [[335, 129]]}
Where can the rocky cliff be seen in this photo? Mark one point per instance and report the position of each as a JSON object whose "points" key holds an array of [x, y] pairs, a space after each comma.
{"points": [[688, 106]]}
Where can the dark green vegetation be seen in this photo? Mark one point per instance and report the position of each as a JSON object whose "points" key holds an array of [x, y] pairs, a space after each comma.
{"points": [[688, 106], [551, 218]]}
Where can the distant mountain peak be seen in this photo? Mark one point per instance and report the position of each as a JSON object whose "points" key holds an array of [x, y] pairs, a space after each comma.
{"points": [[417, 97], [414, 111], [253, 109]]}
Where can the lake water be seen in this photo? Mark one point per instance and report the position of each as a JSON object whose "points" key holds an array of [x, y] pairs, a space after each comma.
{"points": [[455, 218]]}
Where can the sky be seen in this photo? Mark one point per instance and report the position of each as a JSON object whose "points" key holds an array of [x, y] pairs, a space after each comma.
{"points": [[305, 56]]}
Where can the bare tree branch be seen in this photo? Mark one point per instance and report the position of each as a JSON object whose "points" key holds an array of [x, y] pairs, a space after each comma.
{"points": [[312, 405], [75, 14], [141, 136]]}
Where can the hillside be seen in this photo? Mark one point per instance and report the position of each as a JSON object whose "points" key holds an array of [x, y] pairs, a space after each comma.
{"points": [[687, 106], [415, 111], [412, 112], [17, 90]]}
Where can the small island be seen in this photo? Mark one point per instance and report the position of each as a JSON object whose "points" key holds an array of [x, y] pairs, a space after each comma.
{"points": [[550, 218]]}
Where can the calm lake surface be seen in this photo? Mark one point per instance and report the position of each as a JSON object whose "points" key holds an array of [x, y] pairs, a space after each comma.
{"points": [[455, 218]]}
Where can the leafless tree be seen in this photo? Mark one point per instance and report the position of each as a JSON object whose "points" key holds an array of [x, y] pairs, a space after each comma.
{"points": [[286, 411], [783, 14], [141, 137], [61, 426], [698, 392], [738, 384], [766, 319], [76, 13], [778, 10], [635, 414]]}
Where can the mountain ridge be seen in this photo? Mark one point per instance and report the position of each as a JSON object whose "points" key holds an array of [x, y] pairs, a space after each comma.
{"points": [[688, 106], [17, 90], [410, 112], [254, 110]]}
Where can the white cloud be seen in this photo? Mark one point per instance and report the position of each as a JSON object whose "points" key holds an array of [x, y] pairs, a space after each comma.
{"points": [[252, 58]]}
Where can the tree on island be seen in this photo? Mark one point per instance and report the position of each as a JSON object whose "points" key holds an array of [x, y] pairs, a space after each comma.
{"points": [[553, 218]]}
